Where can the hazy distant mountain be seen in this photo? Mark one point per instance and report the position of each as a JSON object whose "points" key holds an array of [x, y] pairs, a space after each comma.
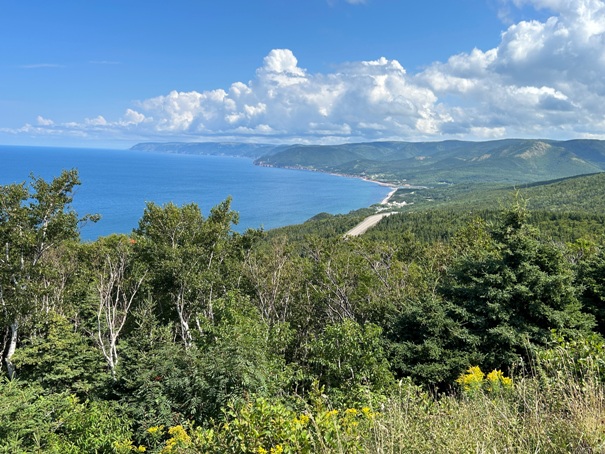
{"points": [[451, 161], [510, 160], [248, 150]]}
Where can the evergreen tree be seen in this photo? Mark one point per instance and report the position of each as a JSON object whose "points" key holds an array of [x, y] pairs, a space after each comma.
{"points": [[514, 295]]}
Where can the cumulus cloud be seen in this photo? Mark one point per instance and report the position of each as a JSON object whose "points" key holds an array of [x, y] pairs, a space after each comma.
{"points": [[44, 121], [544, 79], [369, 98]]}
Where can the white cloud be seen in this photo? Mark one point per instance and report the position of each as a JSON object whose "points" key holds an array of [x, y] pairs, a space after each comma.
{"points": [[44, 121], [132, 117], [544, 79], [98, 121]]}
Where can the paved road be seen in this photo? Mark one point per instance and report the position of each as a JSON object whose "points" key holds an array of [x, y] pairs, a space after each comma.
{"points": [[368, 222]]}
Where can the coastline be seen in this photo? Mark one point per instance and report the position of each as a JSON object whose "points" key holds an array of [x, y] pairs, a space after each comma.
{"points": [[259, 163], [384, 201]]}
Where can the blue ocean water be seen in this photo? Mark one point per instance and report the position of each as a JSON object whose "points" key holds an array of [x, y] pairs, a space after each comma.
{"points": [[117, 184]]}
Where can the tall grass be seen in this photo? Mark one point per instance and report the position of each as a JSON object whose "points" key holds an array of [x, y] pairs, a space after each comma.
{"points": [[548, 411]]}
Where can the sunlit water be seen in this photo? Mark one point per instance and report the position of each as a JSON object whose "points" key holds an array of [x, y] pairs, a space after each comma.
{"points": [[117, 184]]}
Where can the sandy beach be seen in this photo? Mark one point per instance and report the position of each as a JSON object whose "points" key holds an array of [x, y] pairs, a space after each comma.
{"points": [[388, 197]]}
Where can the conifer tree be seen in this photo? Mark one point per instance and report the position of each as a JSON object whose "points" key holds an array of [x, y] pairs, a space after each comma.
{"points": [[514, 295]]}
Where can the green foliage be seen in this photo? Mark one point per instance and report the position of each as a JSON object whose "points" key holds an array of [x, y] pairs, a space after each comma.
{"points": [[348, 358], [428, 343], [591, 279], [282, 342], [263, 426], [535, 415], [512, 297], [233, 355], [61, 359], [32, 421], [150, 361], [189, 259], [510, 160], [324, 225], [578, 358]]}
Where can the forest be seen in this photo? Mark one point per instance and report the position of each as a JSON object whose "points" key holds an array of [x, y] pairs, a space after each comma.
{"points": [[468, 328]]}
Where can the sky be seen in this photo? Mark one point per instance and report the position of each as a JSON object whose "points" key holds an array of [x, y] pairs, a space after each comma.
{"points": [[112, 73]]}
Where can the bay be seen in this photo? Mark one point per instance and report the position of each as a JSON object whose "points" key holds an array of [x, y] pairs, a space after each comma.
{"points": [[117, 184]]}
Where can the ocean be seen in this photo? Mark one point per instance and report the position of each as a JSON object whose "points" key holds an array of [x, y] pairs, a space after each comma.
{"points": [[117, 184]]}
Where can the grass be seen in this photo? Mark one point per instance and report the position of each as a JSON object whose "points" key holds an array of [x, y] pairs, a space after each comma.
{"points": [[558, 413]]}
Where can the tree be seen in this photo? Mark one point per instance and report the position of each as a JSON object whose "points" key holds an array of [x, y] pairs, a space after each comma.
{"points": [[591, 278], [61, 359], [34, 221], [58, 422], [277, 278], [118, 281], [429, 344], [187, 256], [513, 295]]}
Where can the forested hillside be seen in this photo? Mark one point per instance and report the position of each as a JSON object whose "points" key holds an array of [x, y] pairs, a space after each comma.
{"points": [[457, 328], [509, 161], [564, 210]]}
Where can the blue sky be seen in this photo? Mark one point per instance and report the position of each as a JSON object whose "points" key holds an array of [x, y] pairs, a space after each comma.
{"points": [[117, 72]]}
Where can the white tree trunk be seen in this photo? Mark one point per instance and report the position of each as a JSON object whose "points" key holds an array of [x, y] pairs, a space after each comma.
{"points": [[116, 296], [12, 346]]}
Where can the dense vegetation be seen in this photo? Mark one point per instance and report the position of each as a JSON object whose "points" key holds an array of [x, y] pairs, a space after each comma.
{"points": [[452, 161], [484, 335]]}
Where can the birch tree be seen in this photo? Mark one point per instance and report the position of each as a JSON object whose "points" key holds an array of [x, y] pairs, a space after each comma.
{"points": [[118, 282], [34, 220], [187, 255]]}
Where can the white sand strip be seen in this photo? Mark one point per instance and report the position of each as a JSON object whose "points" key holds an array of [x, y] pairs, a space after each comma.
{"points": [[388, 197]]}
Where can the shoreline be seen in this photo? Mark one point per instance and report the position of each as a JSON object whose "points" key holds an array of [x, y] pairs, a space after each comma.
{"points": [[385, 201]]}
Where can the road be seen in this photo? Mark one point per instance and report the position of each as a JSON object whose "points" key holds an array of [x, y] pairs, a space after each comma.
{"points": [[367, 223]]}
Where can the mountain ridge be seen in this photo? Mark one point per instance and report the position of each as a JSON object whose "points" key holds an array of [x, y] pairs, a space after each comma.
{"points": [[506, 160], [449, 161]]}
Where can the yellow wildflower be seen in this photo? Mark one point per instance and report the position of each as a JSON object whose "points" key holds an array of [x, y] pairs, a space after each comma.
{"points": [[277, 449], [472, 380], [153, 430], [496, 381]]}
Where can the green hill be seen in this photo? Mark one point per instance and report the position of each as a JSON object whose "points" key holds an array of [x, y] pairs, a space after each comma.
{"points": [[583, 193], [564, 209], [504, 161]]}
